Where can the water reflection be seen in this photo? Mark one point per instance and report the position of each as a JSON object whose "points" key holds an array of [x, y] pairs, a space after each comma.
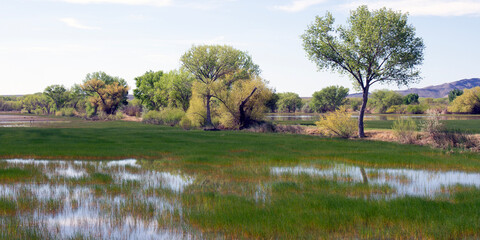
{"points": [[392, 117], [131, 207], [406, 182]]}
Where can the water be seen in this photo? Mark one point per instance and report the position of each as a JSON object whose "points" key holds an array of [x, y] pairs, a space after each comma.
{"points": [[406, 182], [316, 117], [138, 211]]}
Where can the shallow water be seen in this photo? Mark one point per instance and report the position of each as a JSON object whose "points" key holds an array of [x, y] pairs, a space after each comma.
{"points": [[405, 182], [138, 211], [316, 117]]}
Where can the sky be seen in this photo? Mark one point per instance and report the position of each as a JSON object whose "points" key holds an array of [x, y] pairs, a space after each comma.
{"points": [[46, 42]]}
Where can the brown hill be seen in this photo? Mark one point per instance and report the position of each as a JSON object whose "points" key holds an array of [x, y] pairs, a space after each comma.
{"points": [[437, 91]]}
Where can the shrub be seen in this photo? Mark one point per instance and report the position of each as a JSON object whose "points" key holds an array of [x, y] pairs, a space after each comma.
{"points": [[133, 110], [338, 123], [432, 124], [416, 109], [185, 123], [441, 137], [167, 116], [404, 130], [397, 109], [69, 112], [172, 116]]}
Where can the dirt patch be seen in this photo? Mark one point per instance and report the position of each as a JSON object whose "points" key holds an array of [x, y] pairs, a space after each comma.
{"points": [[131, 119]]}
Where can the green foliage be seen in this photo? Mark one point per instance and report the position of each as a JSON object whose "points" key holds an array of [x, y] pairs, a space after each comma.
{"points": [[454, 94], [217, 68], [289, 102], [272, 102], [105, 92], [328, 99], [404, 129], [166, 116], [68, 112], [243, 103], [152, 90], [381, 100], [468, 102], [179, 89], [58, 94], [354, 103], [37, 103], [10, 104], [411, 98], [417, 109], [400, 109], [339, 123], [375, 46]]}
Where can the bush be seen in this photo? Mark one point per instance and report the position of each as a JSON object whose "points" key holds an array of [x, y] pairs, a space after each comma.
{"points": [[167, 116], [416, 109], [339, 123], [133, 110], [401, 109], [404, 130], [68, 112], [441, 137]]}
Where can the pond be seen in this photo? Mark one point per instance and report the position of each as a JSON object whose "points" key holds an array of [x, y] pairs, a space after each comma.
{"points": [[123, 199], [405, 182], [101, 199], [316, 117], [9, 120]]}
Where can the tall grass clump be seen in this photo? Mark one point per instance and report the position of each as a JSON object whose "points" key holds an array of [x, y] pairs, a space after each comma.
{"points": [[443, 138], [404, 130], [338, 124], [166, 116]]}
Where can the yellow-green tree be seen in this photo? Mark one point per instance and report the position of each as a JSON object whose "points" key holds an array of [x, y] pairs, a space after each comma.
{"points": [[103, 96], [216, 66], [468, 102], [243, 103]]}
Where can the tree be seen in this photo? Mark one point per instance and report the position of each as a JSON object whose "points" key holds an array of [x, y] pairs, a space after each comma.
{"points": [[58, 94], [454, 94], [411, 98], [243, 103], [328, 99], [384, 99], [152, 90], [217, 65], [37, 102], [468, 102], [179, 89], [272, 101], [289, 102], [374, 47], [106, 93]]}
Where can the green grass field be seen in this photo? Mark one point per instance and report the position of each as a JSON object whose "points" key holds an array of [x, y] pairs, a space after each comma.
{"points": [[230, 166]]}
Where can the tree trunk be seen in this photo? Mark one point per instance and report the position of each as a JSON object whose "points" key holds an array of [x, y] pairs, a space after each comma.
{"points": [[361, 131], [208, 119], [244, 122]]}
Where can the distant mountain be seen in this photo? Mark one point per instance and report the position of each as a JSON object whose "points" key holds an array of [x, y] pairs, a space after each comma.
{"points": [[438, 91]]}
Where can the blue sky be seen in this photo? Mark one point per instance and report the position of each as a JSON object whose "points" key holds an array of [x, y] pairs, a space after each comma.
{"points": [[45, 42]]}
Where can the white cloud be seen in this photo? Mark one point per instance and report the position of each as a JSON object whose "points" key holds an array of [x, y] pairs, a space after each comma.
{"points": [[72, 22], [298, 5], [158, 3], [424, 7]]}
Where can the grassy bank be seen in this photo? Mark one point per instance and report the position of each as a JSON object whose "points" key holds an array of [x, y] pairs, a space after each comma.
{"points": [[236, 195]]}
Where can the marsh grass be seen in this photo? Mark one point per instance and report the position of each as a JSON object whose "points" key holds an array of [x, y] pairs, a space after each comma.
{"points": [[234, 194]]}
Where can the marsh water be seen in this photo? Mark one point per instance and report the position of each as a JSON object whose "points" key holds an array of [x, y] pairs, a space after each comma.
{"points": [[316, 117], [124, 200], [133, 209]]}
